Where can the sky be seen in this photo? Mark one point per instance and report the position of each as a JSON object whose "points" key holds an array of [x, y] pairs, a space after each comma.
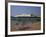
{"points": [[15, 9]]}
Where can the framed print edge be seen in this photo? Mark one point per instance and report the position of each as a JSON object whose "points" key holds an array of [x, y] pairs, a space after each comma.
{"points": [[6, 18]]}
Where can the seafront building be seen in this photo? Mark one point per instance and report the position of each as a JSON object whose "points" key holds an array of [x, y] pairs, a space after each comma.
{"points": [[23, 15]]}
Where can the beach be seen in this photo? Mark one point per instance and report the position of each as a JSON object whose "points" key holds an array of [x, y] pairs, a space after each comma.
{"points": [[27, 23], [29, 26]]}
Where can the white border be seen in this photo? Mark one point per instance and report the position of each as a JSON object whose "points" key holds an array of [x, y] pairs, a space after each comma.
{"points": [[24, 32]]}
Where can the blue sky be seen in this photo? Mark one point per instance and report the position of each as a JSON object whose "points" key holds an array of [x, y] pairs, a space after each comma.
{"points": [[25, 10]]}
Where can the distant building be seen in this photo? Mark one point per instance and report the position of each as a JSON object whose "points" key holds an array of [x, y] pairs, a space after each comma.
{"points": [[23, 15]]}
